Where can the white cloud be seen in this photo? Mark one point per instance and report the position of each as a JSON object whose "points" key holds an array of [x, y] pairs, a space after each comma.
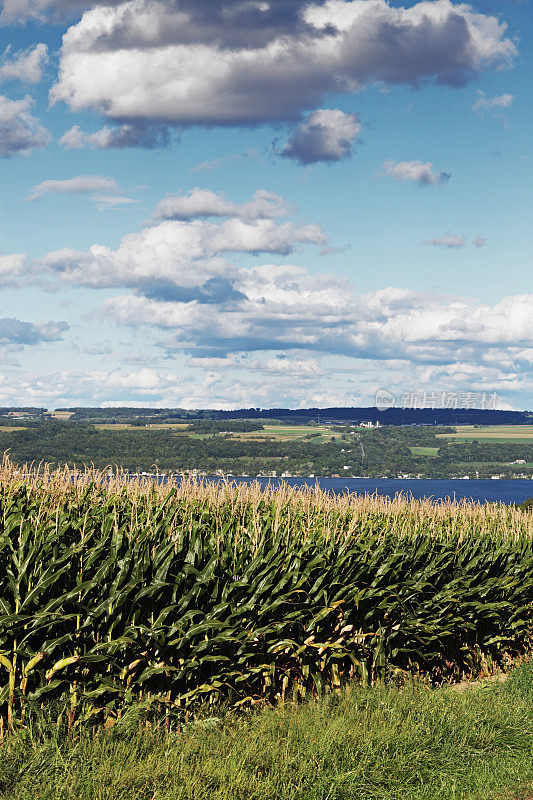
{"points": [[326, 135], [16, 332], [205, 203], [214, 385], [13, 268], [83, 387], [455, 241], [178, 259], [73, 139], [492, 104], [186, 297], [137, 61], [415, 172], [293, 312], [20, 132], [80, 184], [138, 135], [158, 388], [286, 308], [16, 11], [452, 241], [300, 366], [225, 161], [25, 66], [112, 201]]}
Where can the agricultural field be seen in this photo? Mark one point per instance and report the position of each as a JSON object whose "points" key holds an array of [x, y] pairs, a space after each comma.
{"points": [[432, 452], [184, 596], [519, 434], [280, 433], [276, 433], [287, 433], [162, 426]]}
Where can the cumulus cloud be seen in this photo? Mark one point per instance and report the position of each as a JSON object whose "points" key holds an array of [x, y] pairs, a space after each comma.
{"points": [[13, 268], [182, 287], [15, 332], [229, 22], [301, 366], [25, 66], [490, 104], [286, 380], [493, 106], [164, 63], [164, 388], [415, 172], [20, 131], [19, 11], [205, 203], [149, 137], [326, 135], [62, 387], [81, 184], [181, 259], [285, 308]]}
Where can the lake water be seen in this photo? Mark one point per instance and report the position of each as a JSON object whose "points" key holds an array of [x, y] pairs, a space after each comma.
{"points": [[503, 491]]}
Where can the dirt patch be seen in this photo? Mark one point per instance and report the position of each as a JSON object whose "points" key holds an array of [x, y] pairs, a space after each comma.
{"points": [[498, 677], [524, 793]]}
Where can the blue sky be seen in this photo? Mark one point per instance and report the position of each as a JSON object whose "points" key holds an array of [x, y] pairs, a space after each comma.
{"points": [[242, 203]]}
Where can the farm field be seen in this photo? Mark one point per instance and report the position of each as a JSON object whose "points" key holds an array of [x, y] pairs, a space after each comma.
{"points": [[432, 452], [492, 433], [286, 433], [192, 593], [61, 415], [117, 426], [139, 621], [282, 433]]}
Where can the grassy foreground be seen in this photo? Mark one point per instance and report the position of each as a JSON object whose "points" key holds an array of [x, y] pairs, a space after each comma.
{"points": [[371, 744]]}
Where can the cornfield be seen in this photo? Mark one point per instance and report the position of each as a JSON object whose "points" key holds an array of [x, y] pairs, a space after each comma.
{"points": [[186, 594]]}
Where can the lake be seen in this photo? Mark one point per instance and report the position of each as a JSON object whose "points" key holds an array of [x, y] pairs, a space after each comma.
{"points": [[503, 491]]}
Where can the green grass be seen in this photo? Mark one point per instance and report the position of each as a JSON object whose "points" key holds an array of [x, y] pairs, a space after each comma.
{"points": [[384, 743], [281, 433], [432, 452], [493, 440], [122, 426], [285, 433], [491, 433]]}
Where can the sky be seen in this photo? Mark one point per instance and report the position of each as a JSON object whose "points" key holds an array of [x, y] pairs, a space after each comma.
{"points": [[265, 203]]}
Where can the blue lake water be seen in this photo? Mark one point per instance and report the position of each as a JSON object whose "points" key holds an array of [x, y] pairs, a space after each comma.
{"points": [[503, 491]]}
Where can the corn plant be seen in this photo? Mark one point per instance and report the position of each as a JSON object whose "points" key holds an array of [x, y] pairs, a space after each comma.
{"points": [[184, 593]]}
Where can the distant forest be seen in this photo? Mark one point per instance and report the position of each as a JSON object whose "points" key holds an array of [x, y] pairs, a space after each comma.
{"points": [[390, 416], [385, 451]]}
